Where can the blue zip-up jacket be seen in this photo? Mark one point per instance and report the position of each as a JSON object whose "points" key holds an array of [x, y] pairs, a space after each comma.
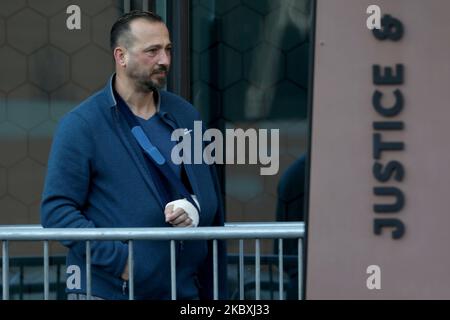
{"points": [[97, 177]]}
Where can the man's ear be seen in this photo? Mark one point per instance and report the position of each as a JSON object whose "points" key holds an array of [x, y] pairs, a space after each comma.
{"points": [[120, 56]]}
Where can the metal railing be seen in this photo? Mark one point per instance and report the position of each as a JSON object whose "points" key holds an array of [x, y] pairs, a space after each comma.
{"points": [[240, 231]]}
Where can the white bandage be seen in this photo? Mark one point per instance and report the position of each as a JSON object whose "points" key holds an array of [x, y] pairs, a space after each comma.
{"points": [[188, 207]]}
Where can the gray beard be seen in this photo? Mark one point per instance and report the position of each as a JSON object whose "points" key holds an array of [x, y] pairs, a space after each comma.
{"points": [[149, 86]]}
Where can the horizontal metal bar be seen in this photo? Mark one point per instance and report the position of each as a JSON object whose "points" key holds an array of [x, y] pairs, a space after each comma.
{"points": [[202, 233], [300, 225]]}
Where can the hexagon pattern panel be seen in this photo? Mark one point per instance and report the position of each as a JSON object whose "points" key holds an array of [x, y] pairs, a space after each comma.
{"points": [[249, 69], [46, 71]]}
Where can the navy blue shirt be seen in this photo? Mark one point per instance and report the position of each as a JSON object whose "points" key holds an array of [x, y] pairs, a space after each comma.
{"points": [[159, 133]]}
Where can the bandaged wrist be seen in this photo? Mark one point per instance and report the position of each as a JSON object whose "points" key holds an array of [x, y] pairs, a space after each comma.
{"points": [[188, 207]]}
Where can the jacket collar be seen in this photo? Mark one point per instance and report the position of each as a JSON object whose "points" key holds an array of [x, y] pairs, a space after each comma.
{"points": [[108, 93]]}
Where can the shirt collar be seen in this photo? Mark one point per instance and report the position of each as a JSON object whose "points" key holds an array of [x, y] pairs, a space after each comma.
{"points": [[111, 95]]}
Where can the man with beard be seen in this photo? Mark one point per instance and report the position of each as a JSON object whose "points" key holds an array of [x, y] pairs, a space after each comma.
{"points": [[110, 166]]}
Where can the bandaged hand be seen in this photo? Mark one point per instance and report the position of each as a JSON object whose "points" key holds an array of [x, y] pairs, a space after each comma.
{"points": [[182, 213]]}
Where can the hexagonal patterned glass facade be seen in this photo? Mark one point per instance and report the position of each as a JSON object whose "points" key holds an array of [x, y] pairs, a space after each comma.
{"points": [[249, 69], [46, 71]]}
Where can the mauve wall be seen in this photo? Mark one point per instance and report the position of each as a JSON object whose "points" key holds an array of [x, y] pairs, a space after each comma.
{"points": [[341, 243]]}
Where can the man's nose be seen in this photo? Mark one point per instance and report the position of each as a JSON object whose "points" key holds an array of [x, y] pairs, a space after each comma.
{"points": [[164, 58]]}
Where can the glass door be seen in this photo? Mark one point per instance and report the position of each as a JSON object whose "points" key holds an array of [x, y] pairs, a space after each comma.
{"points": [[249, 64]]}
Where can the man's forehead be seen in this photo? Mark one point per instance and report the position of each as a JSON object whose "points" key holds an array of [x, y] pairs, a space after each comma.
{"points": [[148, 30]]}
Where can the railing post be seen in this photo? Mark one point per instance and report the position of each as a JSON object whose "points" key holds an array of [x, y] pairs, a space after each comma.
{"points": [[241, 269], [5, 269], [46, 271], [131, 269], [257, 269], [300, 269], [21, 282], [215, 271], [88, 271], [173, 273], [280, 268]]}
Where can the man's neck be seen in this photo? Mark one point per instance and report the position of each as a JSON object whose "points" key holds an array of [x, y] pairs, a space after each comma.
{"points": [[141, 103]]}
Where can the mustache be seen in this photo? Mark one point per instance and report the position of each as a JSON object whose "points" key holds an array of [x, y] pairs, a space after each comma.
{"points": [[161, 69]]}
